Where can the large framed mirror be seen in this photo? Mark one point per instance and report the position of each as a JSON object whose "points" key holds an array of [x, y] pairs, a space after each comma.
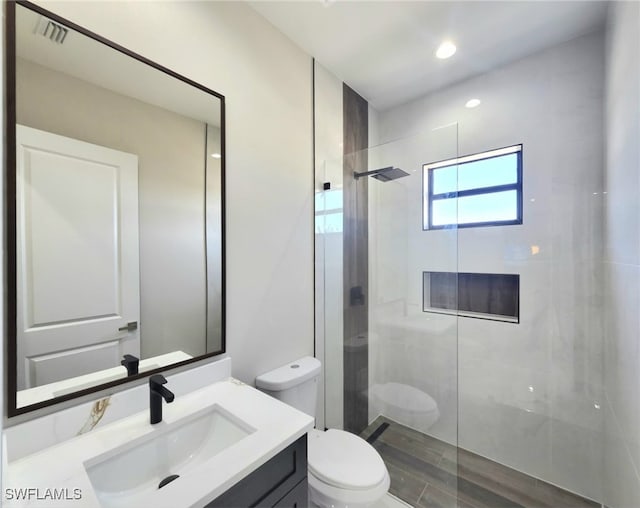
{"points": [[114, 213]]}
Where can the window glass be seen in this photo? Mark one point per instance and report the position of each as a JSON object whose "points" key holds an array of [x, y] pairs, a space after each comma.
{"points": [[445, 211], [329, 223], [479, 189], [445, 180], [328, 200], [489, 172], [497, 206]]}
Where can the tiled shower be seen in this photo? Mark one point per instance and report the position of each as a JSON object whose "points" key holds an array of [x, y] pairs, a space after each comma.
{"points": [[529, 400]]}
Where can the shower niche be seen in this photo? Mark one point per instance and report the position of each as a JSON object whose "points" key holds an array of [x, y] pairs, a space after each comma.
{"points": [[475, 295]]}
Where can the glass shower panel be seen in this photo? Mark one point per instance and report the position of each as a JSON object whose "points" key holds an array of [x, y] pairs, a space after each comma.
{"points": [[390, 365], [530, 389], [329, 225]]}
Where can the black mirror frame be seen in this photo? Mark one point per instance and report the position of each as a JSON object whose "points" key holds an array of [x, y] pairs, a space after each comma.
{"points": [[10, 272]]}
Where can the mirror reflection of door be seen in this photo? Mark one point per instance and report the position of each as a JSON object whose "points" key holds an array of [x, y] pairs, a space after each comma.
{"points": [[77, 257], [82, 271]]}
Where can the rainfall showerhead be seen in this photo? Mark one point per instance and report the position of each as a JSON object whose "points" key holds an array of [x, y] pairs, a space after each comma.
{"points": [[383, 174]]}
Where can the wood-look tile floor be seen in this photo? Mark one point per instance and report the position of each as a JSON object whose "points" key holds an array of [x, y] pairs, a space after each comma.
{"points": [[429, 473]]}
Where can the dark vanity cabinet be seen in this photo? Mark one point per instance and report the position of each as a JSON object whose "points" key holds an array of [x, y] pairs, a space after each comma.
{"points": [[281, 482]]}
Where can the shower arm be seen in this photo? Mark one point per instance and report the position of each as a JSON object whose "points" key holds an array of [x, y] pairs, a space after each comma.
{"points": [[372, 172]]}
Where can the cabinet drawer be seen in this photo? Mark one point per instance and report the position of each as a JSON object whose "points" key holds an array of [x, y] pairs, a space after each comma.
{"points": [[270, 482], [297, 498]]}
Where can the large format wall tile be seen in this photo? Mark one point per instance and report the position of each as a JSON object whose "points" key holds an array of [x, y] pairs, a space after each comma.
{"points": [[523, 388], [622, 258]]}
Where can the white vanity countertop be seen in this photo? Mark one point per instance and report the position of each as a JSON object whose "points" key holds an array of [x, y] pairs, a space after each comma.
{"points": [[62, 466]]}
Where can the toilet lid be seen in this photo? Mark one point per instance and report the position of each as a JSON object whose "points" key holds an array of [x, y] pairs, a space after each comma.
{"points": [[344, 460]]}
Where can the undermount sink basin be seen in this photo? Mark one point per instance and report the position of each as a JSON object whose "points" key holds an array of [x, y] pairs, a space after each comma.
{"points": [[123, 477]]}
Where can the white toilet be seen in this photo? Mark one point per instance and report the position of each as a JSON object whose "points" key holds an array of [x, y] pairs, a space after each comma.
{"points": [[344, 470]]}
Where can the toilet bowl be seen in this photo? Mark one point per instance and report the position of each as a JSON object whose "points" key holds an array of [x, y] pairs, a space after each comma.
{"points": [[344, 471], [404, 404]]}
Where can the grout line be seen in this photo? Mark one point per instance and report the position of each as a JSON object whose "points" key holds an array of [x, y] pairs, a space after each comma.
{"points": [[616, 263], [422, 493]]}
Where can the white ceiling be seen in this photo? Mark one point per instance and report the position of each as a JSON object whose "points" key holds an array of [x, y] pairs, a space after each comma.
{"points": [[385, 49]]}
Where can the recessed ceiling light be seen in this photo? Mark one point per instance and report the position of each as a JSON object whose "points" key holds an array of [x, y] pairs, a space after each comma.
{"points": [[446, 49], [216, 155], [472, 103]]}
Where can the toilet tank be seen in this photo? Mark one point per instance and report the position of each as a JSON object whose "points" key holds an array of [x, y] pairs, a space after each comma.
{"points": [[295, 384]]}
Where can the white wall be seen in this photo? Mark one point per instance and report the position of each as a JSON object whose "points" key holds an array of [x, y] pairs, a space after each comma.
{"points": [[622, 257], [528, 392], [266, 80]]}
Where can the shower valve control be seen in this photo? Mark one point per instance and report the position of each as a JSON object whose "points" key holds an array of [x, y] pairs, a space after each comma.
{"points": [[356, 295]]}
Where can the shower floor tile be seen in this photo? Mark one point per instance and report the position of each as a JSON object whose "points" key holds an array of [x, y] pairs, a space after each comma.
{"points": [[429, 473]]}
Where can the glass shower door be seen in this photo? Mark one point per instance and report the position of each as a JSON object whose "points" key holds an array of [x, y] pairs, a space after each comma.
{"points": [[390, 356]]}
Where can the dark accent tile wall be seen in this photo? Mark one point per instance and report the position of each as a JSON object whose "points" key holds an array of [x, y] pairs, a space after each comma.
{"points": [[489, 293], [355, 259], [443, 290]]}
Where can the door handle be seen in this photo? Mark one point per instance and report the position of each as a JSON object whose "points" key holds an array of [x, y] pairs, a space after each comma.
{"points": [[129, 327]]}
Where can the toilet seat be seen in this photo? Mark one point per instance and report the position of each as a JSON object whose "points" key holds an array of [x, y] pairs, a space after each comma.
{"points": [[325, 495], [344, 460], [344, 470]]}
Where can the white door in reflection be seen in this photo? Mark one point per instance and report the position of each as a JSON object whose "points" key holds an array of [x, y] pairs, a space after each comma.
{"points": [[77, 257]]}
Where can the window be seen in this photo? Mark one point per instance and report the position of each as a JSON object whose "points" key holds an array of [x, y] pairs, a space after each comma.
{"points": [[484, 189], [328, 210]]}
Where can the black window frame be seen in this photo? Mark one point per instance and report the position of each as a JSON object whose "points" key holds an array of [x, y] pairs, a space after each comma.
{"points": [[430, 197]]}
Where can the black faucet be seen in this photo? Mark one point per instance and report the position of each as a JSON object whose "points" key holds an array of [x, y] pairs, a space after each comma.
{"points": [[130, 363], [157, 392]]}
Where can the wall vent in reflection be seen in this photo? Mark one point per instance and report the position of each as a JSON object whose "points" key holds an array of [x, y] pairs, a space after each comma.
{"points": [[478, 295], [51, 30]]}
